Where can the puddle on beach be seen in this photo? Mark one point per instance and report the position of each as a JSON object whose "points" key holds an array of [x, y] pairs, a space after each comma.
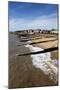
{"points": [[44, 62]]}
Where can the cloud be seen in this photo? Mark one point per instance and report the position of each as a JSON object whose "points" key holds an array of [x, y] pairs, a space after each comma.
{"points": [[42, 22]]}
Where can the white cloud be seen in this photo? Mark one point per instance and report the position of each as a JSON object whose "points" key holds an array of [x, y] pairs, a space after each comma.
{"points": [[42, 22]]}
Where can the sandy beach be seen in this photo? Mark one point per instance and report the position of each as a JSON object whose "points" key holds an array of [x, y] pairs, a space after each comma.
{"points": [[22, 72], [49, 44]]}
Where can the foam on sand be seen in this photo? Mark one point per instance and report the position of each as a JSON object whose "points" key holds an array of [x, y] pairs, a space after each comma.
{"points": [[44, 62]]}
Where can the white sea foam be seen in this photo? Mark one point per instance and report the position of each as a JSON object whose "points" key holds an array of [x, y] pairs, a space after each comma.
{"points": [[44, 62]]}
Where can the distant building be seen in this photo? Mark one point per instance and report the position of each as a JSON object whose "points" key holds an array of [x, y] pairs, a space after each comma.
{"points": [[54, 31], [35, 31]]}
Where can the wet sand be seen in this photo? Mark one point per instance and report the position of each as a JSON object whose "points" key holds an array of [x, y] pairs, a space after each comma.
{"points": [[45, 45], [50, 44], [21, 71]]}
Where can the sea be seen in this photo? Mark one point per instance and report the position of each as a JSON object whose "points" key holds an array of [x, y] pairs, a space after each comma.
{"points": [[33, 70]]}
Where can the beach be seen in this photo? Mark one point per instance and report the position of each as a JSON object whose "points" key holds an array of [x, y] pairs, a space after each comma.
{"points": [[28, 71]]}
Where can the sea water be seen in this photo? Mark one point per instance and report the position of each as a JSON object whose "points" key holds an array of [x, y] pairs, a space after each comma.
{"points": [[44, 62]]}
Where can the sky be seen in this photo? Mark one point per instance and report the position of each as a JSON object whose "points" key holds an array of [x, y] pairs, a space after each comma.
{"points": [[24, 16]]}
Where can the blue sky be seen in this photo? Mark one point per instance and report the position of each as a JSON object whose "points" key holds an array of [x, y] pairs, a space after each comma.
{"points": [[24, 15]]}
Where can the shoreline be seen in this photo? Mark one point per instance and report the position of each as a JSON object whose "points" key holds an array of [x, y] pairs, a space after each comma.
{"points": [[22, 72]]}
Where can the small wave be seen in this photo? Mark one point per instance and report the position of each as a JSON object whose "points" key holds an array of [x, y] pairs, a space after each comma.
{"points": [[44, 62]]}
